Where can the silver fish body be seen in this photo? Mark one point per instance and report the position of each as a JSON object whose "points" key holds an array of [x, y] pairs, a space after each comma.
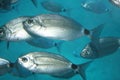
{"points": [[54, 26], [100, 48], [53, 6], [49, 63], [4, 66], [115, 2], [95, 6], [14, 31]]}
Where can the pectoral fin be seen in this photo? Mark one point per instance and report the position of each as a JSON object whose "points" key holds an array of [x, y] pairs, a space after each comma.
{"points": [[8, 44], [96, 32]]}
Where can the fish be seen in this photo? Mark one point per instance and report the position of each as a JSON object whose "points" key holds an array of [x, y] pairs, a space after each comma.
{"points": [[115, 2], [45, 43], [94, 6], [100, 48], [4, 66], [58, 27], [18, 71], [53, 6], [52, 64], [14, 31], [7, 67], [7, 5]]}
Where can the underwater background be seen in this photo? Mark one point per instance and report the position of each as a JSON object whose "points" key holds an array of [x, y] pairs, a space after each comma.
{"points": [[105, 68]]}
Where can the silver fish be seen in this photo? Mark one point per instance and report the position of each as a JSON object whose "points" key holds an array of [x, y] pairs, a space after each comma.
{"points": [[115, 2], [53, 6], [14, 31], [100, 48], [54, 26], [95, 6], [45, 43], [7, 5], [4, 66], [51, 64]]}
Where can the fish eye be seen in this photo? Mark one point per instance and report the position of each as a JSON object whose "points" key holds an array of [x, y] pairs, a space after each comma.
{"points": [[24, 59], [64, 10], [30, 21], [85, 53], [107, 10]]}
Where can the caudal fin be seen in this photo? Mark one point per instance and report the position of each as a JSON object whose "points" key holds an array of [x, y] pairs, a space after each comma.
{"points": [[34, 3], [82, 68], [96, 32], [58, 45]]}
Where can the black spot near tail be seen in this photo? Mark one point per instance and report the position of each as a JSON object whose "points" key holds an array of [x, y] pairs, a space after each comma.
{"points": [[73, 66], [86, 32], [12, 65]]}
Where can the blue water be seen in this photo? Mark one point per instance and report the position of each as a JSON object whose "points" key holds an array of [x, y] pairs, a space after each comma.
{"points": [[106, 68]]}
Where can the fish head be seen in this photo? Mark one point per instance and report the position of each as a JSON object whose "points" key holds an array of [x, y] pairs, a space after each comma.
{"points": [[28, 22], [88, 52], [31, 23], [26, 62], [2, 34]]}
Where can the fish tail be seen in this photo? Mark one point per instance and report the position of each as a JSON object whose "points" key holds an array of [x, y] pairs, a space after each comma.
{"points": [[34, 3], [58, 46], [96, 32], [82, 68]]}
